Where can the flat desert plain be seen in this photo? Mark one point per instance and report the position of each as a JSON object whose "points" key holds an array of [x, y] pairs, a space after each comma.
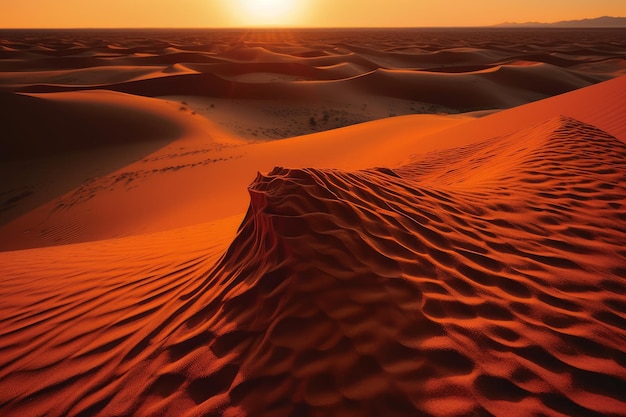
{"points": [[410, 222]]}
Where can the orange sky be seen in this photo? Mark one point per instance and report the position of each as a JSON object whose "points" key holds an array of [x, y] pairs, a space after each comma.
{"points": [[316, 13]]}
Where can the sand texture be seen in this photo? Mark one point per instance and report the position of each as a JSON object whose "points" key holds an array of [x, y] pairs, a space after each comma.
{"points": [[156, 262]]}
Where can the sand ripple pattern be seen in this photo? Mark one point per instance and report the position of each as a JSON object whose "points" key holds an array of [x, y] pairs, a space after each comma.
{"points": [[453, 286], [473, 282]]}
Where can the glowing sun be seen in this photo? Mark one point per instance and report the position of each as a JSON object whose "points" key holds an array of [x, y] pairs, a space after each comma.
{"points": [[269, 12]]}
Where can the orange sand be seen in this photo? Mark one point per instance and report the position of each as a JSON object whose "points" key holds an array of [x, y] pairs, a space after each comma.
{"points": [[417, 265]]}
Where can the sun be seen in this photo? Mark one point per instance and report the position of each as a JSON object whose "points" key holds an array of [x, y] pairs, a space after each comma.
{"points": [[268, 12]]}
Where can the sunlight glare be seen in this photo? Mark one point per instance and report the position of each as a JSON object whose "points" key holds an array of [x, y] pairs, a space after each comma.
{"points": [[268, 12]]}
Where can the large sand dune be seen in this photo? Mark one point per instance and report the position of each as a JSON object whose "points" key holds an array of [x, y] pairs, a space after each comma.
{"points": [[158, 263], [202, 175]]}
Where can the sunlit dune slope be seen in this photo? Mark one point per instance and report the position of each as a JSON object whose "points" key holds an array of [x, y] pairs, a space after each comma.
{"points": [[476, 279], [201, 176], [78, 319], [470, 281]]}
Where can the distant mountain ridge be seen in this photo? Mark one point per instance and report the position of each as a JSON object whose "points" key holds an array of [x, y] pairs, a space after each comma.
{"points": [[598, 22]]}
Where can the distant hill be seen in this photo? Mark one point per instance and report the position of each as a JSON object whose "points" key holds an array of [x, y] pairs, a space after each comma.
{"points": [[598, 22]]}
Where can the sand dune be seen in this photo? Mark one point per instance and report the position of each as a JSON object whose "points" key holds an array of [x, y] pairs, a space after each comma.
{"points": [[420, 265], [93, 76], [74, 121], [129, 200], [483, 288], [200, 177], [468, 281], [52, 144]]}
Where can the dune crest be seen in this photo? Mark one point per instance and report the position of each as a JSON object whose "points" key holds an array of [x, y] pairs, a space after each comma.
{"points": [[502, 293], [453, 285]]}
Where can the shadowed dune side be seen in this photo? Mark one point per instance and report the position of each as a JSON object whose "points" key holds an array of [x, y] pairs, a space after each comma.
{"points": [[52, 143], [79, 121], [473, 281]]}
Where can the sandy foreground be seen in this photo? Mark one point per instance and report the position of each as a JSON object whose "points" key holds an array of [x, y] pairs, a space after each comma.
{"points": [[223, 224]]}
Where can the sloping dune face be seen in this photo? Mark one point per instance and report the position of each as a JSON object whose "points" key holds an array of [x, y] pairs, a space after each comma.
{"points": [[488, 280], [448, 287]]}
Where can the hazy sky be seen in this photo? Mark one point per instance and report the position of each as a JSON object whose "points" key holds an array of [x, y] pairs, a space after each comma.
{"points": [[317, 13]]}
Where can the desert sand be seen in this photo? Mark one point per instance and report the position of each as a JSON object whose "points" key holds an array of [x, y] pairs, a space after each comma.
{"points": [[314, 223]]}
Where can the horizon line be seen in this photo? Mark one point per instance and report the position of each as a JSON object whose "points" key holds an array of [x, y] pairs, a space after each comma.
{"points": [[505, 25], [501, 25]]}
